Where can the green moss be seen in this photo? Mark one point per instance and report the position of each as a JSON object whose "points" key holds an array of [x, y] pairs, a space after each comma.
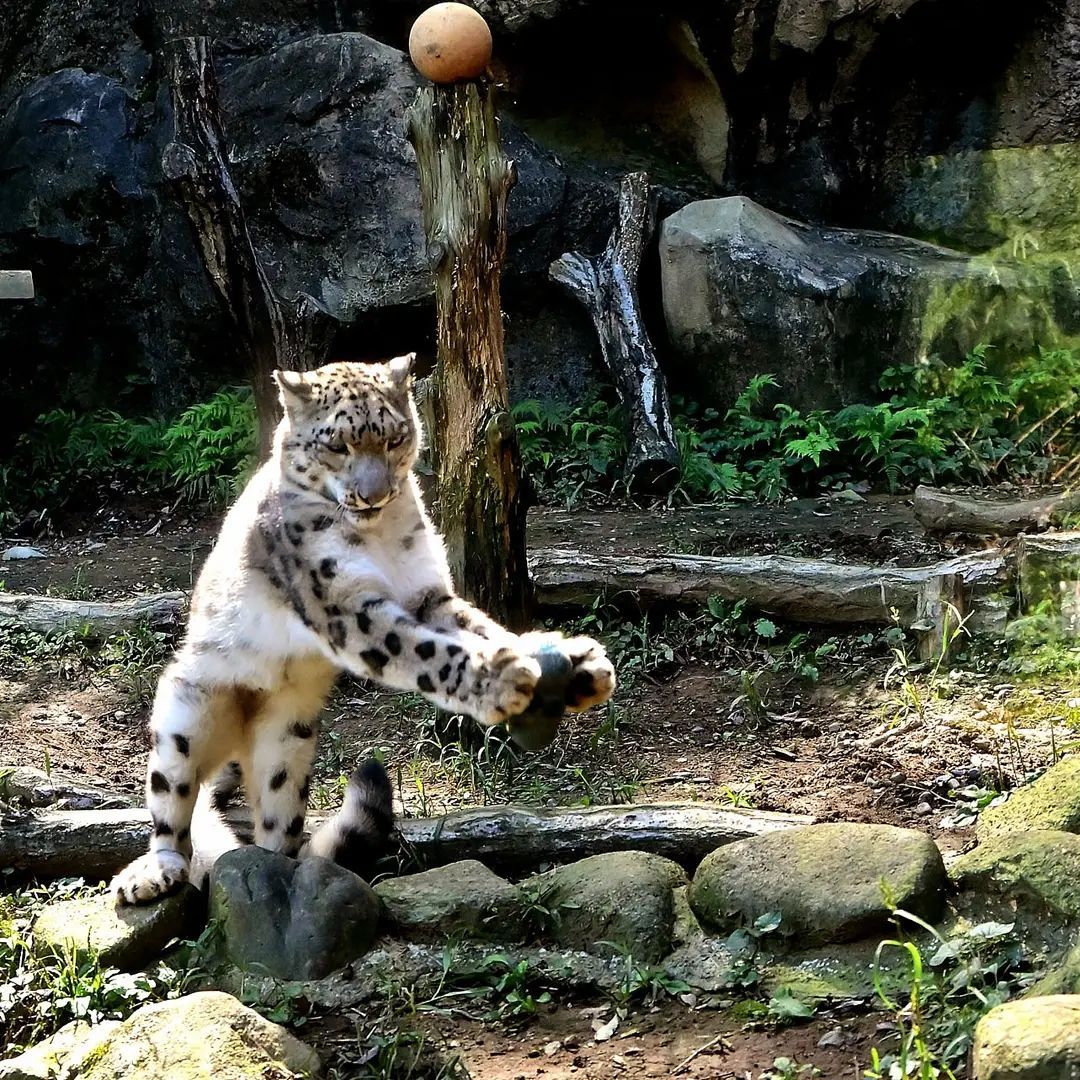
{"points": [[1051, 802], [1039, 869]]}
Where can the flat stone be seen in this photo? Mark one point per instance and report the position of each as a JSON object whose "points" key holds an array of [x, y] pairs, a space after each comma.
{"points": [[826, 880], [127, 938], [1051, 802], [290, 919], [1040, 869], [460, 898], [1029, 1039], [208, 1034], [622, 897]]}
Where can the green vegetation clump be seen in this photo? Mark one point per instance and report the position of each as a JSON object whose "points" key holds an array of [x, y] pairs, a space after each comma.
{"points": [[939, 424], [203, 455]]}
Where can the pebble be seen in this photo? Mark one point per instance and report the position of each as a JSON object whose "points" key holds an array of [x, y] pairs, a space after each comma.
{"points": [[923, 809]]}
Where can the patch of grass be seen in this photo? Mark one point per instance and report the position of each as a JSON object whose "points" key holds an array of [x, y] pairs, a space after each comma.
{"points": [[40, 992], [132, 660]]}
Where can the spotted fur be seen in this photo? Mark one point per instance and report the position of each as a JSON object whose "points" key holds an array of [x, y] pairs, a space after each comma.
{"points": [[327, 562]]}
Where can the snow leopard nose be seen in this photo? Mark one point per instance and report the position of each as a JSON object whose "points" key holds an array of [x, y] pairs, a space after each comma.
{"points": [[372, 484]]}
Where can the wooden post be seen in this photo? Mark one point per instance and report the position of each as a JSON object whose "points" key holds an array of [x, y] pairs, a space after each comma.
{"points": [[274, 332], [464, 181], [606, 286]]}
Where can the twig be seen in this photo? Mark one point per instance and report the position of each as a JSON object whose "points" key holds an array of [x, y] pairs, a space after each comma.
{"points": [[697, 1053]]}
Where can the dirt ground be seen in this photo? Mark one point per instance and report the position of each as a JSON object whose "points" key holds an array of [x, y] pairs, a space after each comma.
{"points": [[684, 726]]}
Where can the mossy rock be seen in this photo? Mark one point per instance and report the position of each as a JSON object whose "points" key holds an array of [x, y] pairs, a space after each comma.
{"points": [[1051, 802], [126, 937], [464, 898], [1039, 869], [45, 1060], [208, 1034], [832, 882], [622, 897], [1029, 1039]]}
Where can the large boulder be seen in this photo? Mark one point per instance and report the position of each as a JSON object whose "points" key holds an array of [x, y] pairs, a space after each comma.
{"points": [[831, 882], [463, 898], [328, 183], [1039, 869], [1051, 802], [622, 899], [1032, 1039], [747, 291], [290, 919], [194, 1037], [123, 937]]}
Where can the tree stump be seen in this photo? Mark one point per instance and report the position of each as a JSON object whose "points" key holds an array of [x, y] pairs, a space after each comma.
{"points": [[606, 285], [275, 333], [464, 181]]}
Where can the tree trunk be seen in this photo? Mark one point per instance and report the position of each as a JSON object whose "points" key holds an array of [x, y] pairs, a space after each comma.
{"points": [[464, 181], [607, 287], [510, 839], [275, 333]]}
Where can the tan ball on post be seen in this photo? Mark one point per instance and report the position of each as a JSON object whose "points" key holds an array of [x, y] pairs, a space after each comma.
{"points": [[450, 43]]}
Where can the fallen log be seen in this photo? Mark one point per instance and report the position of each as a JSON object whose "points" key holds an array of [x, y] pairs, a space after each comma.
{"points": [[986, 515], [99, 619], [803, 590], [97, 843]]}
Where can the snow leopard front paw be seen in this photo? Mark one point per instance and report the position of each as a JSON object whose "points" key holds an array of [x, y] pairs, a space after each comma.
{"points": [[511, 684], [157, 873], [592, 680]]}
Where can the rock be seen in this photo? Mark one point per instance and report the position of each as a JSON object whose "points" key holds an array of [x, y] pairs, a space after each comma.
{"points": [[21, 551], [201, 1035], [747, 292], [1040, 869], [827, 881], [1048, 570], [34, 787], [305, 119], [290, 919], [123, 937], [983, 200], [1051, 802], [1061, 978], [461, 898], [45, 1060], [622, 897], [1032, 1039]]}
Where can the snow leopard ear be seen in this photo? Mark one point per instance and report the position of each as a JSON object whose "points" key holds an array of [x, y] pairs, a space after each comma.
{"points": [[401, 368], [293, 387]]}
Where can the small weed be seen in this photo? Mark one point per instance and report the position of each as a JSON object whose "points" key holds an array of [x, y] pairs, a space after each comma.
{"points": [[785, 1068], [641, 984], [966, 976]]}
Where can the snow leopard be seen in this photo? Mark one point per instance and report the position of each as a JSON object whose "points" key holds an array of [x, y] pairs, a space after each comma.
{"points": [[327, 562]]}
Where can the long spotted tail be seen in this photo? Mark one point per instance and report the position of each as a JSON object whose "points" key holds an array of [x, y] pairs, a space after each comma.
{"points": [[358, 835]]}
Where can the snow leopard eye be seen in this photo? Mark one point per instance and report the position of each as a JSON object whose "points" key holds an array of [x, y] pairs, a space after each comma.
{"points": [[334, 446], [394, 443]]}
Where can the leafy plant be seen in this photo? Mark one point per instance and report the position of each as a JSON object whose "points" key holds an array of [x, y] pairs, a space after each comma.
{"points": [[966, 976], [201, 455]]}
